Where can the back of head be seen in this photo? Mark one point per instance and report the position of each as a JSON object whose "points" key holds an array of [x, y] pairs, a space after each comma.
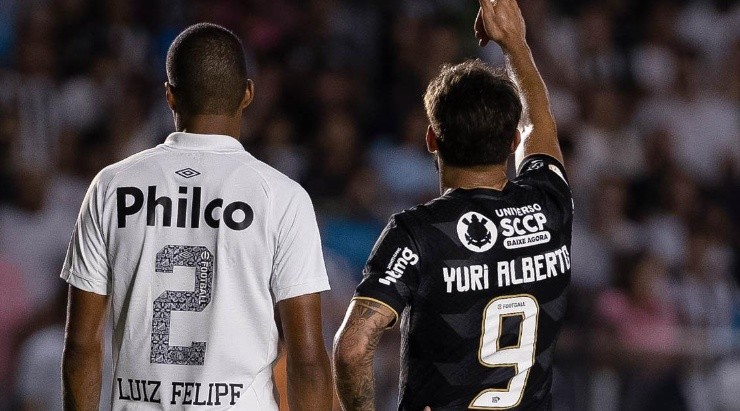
{"points": [[207, 69], [474, 111]]}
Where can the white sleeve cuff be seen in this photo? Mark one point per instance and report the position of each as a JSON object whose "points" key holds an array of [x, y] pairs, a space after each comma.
{"points": [[316, 286], [84, 283]]}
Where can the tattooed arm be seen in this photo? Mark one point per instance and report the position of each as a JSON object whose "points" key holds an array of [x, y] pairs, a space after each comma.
{"points": [[82, 361], [354, 351]]}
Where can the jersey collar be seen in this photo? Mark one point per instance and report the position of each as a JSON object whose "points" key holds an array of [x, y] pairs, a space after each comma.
{"points": [[479, 191], [208, 142]]}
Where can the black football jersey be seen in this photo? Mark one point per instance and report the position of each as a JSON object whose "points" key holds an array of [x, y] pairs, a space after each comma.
{"points": [[479, 277]]}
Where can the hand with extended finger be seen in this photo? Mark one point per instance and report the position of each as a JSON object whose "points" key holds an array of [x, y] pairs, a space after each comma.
{"points": [[500, 21]]}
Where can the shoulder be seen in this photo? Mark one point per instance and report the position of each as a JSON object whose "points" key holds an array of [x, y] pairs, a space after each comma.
{"points": [[407, 218], [285, 196], [110, 172], [272, 178], [433, 211], [415, 219], [543, 179], [281, 189], [542, 167], [543, 173]]}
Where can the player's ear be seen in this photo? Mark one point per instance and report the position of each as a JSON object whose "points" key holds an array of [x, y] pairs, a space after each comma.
{"points": [[170, 95], [431, 139], [517, 140], [248, 95]]}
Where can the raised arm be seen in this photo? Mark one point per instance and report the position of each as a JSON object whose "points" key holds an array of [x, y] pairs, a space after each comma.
{"points": [[354, 352], [309, 372], [501, 21], [82, 361]]}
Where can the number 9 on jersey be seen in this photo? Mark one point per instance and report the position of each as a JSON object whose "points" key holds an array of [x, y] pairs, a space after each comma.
{"points": [[519, 356]]}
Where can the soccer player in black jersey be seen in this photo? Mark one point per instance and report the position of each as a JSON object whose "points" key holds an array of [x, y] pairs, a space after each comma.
{"points": [[480, 273]]}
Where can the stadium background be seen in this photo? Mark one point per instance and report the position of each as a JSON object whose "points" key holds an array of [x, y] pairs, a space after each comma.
{"points": [[646, 97]]}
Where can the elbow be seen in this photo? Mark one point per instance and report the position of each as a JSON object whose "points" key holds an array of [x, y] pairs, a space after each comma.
{"points": [[343, 357], [340, 360], [80, 360], [349, 354], [308, 365], [82, 346], [315, 367], [78, 352]]}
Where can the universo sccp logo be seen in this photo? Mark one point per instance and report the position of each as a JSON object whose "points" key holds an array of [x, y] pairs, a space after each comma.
{"points": [[476, 232]]}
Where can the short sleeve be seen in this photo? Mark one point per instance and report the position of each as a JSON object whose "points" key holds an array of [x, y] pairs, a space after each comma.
{"points": [[298, 267], [86, 263], [392, 269], [547, 174]]}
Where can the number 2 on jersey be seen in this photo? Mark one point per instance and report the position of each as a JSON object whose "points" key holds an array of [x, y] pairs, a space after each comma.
{"points": [[201, 259], [519, 356]]}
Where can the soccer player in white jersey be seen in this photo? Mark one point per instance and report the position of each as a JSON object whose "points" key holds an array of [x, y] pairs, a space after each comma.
{"points": [[197, 247]]}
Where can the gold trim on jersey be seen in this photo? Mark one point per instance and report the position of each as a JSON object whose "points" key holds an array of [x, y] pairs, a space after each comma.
{"points": [[395, 313]]}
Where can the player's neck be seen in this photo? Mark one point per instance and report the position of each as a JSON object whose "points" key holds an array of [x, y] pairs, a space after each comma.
{"points": [[210, 124], [488, 176]]}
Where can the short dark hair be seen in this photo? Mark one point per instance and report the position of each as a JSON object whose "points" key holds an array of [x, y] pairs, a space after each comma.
{"points": [[474, 110], [207, 69]]}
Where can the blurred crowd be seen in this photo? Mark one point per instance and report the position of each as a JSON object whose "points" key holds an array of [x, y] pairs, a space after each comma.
{"points": [[646, 95]]}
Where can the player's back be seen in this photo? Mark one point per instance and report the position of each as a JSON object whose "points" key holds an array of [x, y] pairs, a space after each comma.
{"points": [[483, 276], [196, 232]]}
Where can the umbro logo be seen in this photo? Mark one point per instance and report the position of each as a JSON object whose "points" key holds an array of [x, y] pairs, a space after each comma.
{"points": [[187, 172]]}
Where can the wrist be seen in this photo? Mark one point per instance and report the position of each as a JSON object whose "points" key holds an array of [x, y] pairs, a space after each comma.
{"points": [[515, 46]]}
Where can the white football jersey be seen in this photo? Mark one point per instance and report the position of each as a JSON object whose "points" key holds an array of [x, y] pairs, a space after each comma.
{"points": [[195, 241]]}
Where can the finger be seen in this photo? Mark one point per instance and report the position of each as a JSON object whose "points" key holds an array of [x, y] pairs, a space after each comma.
{"points": [[482, 40], [478, 25], [480, 30], [427, 409], [487, 5]]}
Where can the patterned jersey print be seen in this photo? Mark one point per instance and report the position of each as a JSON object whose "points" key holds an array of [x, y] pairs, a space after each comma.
{"points": [[196, 242]]}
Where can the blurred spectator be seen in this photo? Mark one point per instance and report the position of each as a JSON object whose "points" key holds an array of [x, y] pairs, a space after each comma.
{"points": [[30, 92], [641, 314], [39, 359], [643, 336], [13, 312], [553, 43], [603, 144], [34, 235], [408, 158], [711, 26], [337, 152], [654, 61], [704, 124], [609, 218], [592, 258], [8, 14], [279, 149], [599, 61], [352, 230]]}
